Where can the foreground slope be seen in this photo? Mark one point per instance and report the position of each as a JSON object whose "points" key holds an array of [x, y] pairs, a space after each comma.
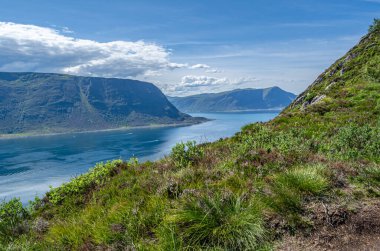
{"points": [[45, 103], [308, 180], [235, 100]]}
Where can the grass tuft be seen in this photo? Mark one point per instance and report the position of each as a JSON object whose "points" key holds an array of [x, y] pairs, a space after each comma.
{"points": [[227, 222]]}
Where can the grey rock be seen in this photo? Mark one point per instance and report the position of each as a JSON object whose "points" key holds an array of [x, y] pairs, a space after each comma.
{"points": [[314, 101]]}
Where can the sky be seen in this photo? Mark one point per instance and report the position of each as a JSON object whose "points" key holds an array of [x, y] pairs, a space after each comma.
{"points": [[184, 47]]}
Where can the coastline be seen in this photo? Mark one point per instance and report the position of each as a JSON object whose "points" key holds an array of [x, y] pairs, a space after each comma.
{"points": [[125, 128]]}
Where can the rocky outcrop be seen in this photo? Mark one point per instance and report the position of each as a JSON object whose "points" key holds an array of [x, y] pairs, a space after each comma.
{"points": [[314, 101]]}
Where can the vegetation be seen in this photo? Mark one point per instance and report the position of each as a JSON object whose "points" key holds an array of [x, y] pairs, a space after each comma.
{"points": [[241, 193], [13, 221], [217, 221], [375, 26], [186, 154]]}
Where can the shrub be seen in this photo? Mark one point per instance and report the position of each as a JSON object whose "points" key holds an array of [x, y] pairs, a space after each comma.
{"points": [[370, 176], [354, 142], [13, 220], [228, 222], [186, 154], [96, 176], [375, 26]]}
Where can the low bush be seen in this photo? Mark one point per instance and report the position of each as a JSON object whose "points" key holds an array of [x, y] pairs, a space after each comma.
{"points": [[375, 26], [186, 154], [357, 142], [13, 220], [370, 176], [96, 176]]}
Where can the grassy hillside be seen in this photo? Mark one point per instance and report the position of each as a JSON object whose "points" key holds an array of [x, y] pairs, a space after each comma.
{"points": [[309, 179]]}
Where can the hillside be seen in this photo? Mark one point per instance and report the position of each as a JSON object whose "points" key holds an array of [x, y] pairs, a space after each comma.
{"points": [[307, 180], [46, 103], [235, 100]]}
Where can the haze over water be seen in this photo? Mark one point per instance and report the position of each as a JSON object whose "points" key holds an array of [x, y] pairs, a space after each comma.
{"points": [[29, 165]]}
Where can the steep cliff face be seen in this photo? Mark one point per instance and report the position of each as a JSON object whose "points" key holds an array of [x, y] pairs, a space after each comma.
{"points": [[38, 102], [235, 100]]}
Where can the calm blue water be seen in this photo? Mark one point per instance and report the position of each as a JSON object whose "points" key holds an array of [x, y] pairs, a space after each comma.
{"points": [[29, 165]]}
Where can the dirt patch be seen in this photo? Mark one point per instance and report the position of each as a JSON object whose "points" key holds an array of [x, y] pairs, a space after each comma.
{"points": [[338, 229]]}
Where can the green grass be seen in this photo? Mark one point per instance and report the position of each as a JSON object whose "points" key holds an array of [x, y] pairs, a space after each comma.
{"points": [[218, 221], [240, 193], [291, 186]]}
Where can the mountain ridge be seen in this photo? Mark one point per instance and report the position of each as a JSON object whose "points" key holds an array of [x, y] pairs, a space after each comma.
{"points": [[247, 99], [54, 103]]}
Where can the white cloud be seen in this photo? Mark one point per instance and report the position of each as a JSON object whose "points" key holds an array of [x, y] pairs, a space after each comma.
{"points": [[205, 67], [173, 66], [192, 84], [35, 48], [67, 30], [196, 81], [200, 66], [213, 70]]}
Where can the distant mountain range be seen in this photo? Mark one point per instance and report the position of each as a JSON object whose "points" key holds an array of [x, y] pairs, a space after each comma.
{"points": [[236, 100], [50, 103]]}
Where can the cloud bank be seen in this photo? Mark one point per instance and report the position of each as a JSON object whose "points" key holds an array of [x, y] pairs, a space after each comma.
{"points": [[34, 48], [196, 81], [41, 49], [192, 84]]}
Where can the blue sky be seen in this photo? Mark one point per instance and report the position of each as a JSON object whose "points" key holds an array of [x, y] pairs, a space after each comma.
{"points": [[184, 47]]}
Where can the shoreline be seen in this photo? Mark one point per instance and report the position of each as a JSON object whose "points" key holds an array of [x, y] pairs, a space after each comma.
{"points": [[126, 128]]}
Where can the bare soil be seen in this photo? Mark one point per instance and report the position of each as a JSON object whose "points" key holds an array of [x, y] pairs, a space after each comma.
{"points": [[338, 229]]}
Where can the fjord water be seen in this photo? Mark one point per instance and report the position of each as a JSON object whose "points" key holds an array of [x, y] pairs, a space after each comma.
{"points": [[29, 165]]}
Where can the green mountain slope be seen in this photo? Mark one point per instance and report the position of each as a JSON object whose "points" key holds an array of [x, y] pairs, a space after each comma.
{"points": [[308, 180], [45, 103], [235, 100]]}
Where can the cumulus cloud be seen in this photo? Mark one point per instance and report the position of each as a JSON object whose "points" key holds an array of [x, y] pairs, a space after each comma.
{"points": [[34, 48]]}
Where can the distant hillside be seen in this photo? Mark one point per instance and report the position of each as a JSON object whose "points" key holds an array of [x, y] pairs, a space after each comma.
{"points": [[235, 100], [44, 103]]}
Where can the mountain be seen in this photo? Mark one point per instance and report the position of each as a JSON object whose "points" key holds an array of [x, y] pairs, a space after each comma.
{"points": [[45, 103], [307, 180], [235, 100]]}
